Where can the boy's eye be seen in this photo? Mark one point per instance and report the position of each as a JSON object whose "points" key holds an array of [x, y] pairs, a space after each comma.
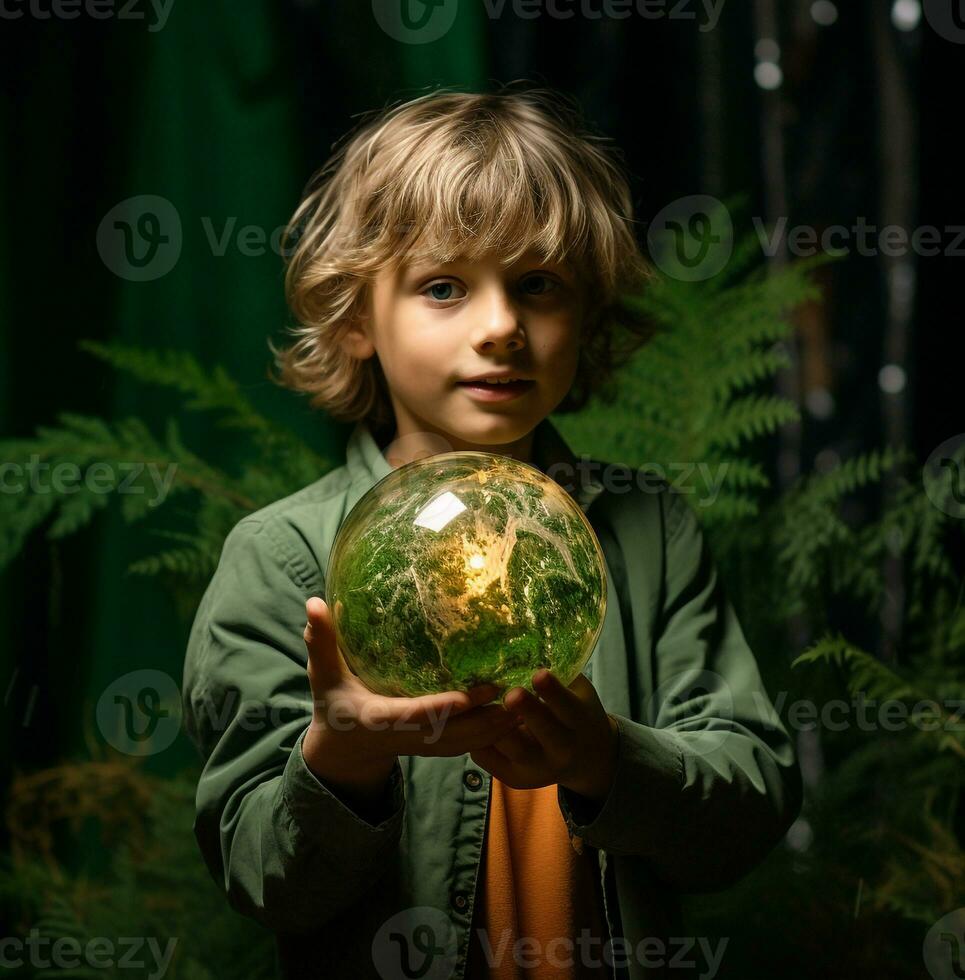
{"points": [[533, 285], [441, 291], [536, 285]]}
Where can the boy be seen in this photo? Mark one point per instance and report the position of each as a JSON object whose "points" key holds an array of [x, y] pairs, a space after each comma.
{"points": [[455, 238]]}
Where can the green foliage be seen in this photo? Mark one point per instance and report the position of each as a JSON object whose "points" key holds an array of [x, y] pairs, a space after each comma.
{"points": [[930, 687], [691, 395], [93, 461], [900, 787], [154, 888]]}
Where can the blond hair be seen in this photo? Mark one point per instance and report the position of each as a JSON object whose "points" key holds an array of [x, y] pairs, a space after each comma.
{"points": [[456, 174]]}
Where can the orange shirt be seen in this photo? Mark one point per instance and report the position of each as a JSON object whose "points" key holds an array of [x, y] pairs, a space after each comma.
{"points": [[533, 885]]}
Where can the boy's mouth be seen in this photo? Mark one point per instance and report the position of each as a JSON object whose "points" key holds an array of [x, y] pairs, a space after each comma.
{"points": [[498, 391]]}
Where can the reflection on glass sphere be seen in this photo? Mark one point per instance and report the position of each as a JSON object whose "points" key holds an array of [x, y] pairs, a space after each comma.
{"points": [[465, 568]]}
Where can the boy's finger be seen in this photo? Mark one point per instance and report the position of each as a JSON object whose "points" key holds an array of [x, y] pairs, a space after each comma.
{"points": [[483, 693], [487, 721], [540, 720], [518, 746], [324, 657], [430, 708], [459, 734], [565, 703], [485, 733]]}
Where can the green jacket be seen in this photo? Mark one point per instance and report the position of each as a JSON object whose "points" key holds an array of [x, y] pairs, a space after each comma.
{"points": [[706, 782]]}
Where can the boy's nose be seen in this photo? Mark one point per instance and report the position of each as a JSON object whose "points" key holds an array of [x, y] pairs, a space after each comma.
{"points": [[499, 324]]}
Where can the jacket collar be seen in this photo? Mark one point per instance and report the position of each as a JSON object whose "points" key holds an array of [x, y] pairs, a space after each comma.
{"points": [[367, 465]]}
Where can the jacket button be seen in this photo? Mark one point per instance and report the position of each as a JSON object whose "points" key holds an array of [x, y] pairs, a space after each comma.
{"points": [[459, 900], [472, 779]]}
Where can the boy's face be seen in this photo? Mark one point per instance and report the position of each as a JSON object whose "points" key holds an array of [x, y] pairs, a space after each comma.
{"points": [[433, 326]]}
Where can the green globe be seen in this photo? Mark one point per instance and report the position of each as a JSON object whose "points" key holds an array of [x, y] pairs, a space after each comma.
{"points": [[465, 568]]}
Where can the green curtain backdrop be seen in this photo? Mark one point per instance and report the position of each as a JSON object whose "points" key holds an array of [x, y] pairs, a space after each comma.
{"points": [[217, 133]]}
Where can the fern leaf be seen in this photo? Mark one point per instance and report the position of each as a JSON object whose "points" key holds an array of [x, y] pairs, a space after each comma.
{"points": [[749, 417]]}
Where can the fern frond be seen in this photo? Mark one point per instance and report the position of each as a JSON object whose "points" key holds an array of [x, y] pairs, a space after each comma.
{"points": [[689, 396], [89, 461], [853, 473], [180, 370], [210, 390], [190, 563], [751, 416], [749, 368], [866, 675]]}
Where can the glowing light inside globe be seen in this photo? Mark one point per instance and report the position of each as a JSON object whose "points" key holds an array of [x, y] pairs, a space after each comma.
{"points": [[464, 568]]}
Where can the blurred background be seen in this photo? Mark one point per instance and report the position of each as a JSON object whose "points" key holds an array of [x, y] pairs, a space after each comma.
{"points": [[211, 118]]}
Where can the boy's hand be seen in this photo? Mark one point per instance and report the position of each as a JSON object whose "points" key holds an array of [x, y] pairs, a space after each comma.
{"points": [[568, 738], [356, 735]]}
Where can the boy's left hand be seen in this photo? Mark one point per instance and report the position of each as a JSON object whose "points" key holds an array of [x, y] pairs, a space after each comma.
{"points": [[566, 737]]}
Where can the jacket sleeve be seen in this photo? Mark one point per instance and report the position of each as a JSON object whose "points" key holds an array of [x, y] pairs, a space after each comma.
{"points": [[283, 847], [710, 783]]}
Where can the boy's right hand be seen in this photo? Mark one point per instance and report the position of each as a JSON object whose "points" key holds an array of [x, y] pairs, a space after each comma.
{"points": [[356, 735]]}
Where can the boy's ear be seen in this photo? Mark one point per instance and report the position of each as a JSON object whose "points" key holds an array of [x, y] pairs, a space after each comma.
{"points": [[356, 340]]}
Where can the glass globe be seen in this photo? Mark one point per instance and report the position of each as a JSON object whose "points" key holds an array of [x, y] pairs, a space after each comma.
{"points": [[465, 568]]}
